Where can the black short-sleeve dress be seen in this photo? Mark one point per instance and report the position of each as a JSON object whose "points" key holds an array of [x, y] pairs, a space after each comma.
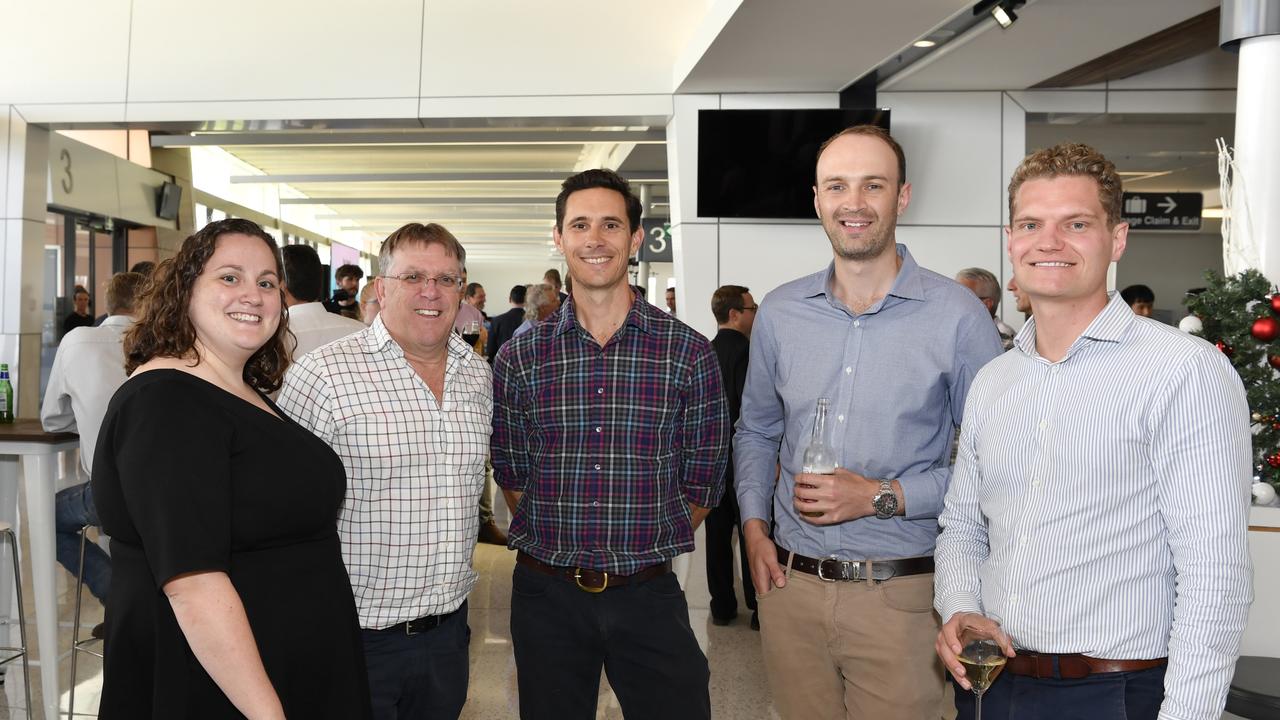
{"points": [[188, 477]]}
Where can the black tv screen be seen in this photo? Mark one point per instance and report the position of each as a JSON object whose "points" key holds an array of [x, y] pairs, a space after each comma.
{"points": [[168, 198], [760, 163]]}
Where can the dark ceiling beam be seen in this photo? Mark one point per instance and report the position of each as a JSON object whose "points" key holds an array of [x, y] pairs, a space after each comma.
{"points": [[1173, 44]]}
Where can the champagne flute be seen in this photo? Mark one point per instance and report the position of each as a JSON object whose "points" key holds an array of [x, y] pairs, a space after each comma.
{"points": [[983, 661]]}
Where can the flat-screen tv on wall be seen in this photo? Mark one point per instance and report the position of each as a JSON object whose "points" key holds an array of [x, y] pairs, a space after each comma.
{"points": [[760, 163]]}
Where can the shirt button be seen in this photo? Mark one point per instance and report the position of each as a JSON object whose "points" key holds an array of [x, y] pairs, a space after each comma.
{"points": [[595, 503], [1054, 369], [1013, 599], [597, 466], [848, 370], [1044, 424], [1035, 482], [840, 418], [857, 323], [1024, 540], [599, 429], [599, 391]]}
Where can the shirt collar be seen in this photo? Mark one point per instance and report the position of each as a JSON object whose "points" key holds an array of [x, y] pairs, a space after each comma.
{"points": [[121, 320], [1109, 325], [908, 285], [309, 309], [566, 318]]}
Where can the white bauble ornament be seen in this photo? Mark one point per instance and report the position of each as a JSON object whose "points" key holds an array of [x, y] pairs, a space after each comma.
{"points": [[1264, 494], [1190, 324]]}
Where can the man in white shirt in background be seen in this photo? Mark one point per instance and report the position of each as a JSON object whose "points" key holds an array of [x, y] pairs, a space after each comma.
{"points": [[408, 406], [984, 284], [309, 321], [87, 371], [1096, 519]]}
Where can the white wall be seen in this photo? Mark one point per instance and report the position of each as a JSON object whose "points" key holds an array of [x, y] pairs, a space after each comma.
{"points": [[960, 148], [498, 278], [1170, 263]]}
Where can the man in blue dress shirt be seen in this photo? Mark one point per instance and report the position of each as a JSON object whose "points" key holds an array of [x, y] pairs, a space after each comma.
{"points": [[846, 594], [1101, 493]]}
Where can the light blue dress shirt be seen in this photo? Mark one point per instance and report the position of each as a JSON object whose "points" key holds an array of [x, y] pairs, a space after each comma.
{"points": [[1100, 504], [897, 376]]}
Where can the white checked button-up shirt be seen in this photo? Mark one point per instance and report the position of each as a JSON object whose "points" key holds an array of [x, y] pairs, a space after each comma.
{"points": [[415, 468], [1099, 504]]}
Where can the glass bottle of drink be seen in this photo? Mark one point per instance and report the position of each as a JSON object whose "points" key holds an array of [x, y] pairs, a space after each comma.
{"points": [[819, 457], [6, 395]]}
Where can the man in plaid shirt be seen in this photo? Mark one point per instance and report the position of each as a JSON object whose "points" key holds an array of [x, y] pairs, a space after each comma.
{"points": [[610, 443]]}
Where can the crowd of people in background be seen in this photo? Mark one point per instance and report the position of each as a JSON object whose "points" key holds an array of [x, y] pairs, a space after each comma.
{"points": [[294, 485]]}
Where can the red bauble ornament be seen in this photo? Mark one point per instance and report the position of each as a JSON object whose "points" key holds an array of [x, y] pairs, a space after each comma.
{"points": [[1275, 303], [1274, 360], [1274, 460], [1265, 329], [1224, 348]]}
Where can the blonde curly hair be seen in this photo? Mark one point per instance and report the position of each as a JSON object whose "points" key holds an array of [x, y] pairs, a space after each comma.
{"points": [[1072, 159]]}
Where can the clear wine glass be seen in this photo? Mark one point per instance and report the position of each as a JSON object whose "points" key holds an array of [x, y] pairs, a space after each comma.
{"points": [[983, 661]]}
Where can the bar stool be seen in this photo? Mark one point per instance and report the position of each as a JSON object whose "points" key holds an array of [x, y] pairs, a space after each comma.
{"points": [[6, 530], [77, 645]]}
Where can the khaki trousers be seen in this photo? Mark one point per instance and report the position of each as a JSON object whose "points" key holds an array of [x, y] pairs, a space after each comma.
{"points": [[856, 650]]}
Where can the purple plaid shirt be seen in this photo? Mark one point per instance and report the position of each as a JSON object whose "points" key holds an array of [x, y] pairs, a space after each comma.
{"points": [[609, 444]]}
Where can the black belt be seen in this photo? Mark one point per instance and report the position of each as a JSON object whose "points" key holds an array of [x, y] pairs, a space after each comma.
{"points": [[421, 625], [592, 581], [832, 569]]}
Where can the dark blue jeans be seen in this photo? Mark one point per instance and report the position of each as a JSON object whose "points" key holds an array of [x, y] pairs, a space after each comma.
{"points": [[73, 509], [422, 676], [639, 634], [1106, 696]]}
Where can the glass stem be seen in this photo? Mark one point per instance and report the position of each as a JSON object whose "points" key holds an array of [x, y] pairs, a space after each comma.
{"points": [[977, 706]]}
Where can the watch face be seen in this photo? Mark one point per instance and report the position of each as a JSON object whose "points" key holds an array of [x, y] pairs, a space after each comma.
{"points": [[885, 504]]}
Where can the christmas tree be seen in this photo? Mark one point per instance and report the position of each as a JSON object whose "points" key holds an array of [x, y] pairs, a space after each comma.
{"points": [[1241, 316]]}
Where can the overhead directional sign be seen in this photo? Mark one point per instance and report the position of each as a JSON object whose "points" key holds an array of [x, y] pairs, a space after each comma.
{"points": [[657, 241], [1163, 211]]}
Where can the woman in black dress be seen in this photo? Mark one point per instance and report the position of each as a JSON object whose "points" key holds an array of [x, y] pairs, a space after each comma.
{"points": [[229, 597]]}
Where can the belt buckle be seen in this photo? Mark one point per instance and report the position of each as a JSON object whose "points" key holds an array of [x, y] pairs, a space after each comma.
{"points": [[848, 569], [577, 578], [408, 628]]}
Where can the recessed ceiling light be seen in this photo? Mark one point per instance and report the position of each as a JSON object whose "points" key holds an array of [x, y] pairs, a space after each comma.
{"points": [[923, 43]]}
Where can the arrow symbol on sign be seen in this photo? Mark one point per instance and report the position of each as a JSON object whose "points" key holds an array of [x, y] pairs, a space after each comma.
{"points": [[1168, 204]]}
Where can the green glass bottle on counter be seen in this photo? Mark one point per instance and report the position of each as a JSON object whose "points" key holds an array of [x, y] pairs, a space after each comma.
{"points": [[6, 395]]}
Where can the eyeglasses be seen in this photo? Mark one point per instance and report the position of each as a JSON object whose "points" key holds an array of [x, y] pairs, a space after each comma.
{"points": [[444, 282], [752, 308]]}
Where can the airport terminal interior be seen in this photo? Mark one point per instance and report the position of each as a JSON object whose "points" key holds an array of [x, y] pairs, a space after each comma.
{"points": [[333, 124]]}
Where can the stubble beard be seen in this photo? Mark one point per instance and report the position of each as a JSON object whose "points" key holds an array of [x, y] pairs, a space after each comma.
{"points": [[880, 239]]}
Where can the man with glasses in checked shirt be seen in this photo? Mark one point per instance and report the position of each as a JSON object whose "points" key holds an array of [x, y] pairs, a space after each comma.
{"points": [[408, 406], [610, 442]]}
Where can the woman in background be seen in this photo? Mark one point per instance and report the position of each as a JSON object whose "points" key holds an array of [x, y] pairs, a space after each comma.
{"points": [[229, 596]]}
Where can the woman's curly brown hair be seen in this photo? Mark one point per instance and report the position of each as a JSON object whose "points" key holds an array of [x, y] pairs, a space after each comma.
{"points": [[164, 326]]}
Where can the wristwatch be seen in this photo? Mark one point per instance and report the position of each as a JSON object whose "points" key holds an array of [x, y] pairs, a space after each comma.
{"points": [[885, 502]]}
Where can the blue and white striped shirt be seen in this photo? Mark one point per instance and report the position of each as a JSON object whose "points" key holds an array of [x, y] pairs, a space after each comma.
{"points": [[1099, 504]]}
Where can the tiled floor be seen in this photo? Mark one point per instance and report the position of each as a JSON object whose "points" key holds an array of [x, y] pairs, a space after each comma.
{"points": [[738, 687]]}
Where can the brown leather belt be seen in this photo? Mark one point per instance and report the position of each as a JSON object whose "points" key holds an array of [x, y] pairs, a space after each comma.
{"points": [[1073, 666], [833, 569], [592, 581]]}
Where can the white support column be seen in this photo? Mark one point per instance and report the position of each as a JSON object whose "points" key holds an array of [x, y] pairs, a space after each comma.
{"points": [[24, 169], [1252, 27]]}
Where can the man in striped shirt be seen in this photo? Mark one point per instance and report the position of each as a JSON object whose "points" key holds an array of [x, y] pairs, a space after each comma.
{"points": [[610, 439], [1096, 519]]}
